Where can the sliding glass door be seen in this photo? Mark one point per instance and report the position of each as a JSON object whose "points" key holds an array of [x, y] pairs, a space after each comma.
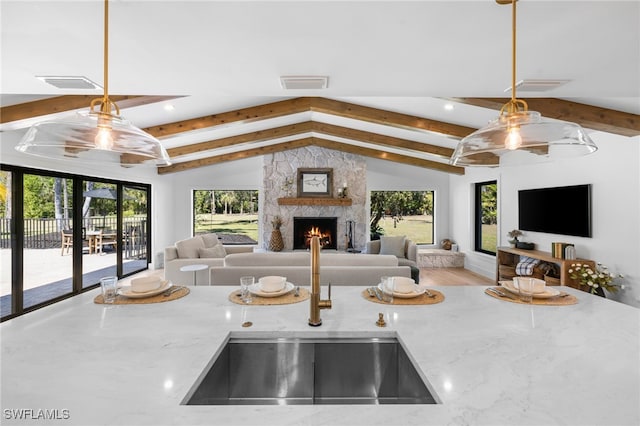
{"points": [[6, 224], [135, 227], [99, 231], [61, 233]]}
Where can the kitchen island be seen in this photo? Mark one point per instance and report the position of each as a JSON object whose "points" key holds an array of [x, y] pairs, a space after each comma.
{"points": [[488, 361]]}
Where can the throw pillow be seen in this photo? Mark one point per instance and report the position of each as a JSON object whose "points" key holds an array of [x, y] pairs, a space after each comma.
{"points": [[210, 240], [188, 249], [392, 245], [215, 251]]}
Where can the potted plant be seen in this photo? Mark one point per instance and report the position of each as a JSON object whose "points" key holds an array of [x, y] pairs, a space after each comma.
{"points": [[595, 280], [513, 237]]}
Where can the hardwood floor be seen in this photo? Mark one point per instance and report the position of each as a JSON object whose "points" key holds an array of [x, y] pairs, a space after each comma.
{"points": [[452, 276]]}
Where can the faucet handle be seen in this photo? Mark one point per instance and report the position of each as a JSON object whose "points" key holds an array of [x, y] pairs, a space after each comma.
{"points": [[326, 304]]}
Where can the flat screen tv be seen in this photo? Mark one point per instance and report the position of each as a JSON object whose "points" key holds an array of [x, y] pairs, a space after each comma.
{"points": [[564, 210]]}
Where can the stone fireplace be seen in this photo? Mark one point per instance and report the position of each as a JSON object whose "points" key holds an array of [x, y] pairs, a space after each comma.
{"points": [[280, 173], [326, 228]]}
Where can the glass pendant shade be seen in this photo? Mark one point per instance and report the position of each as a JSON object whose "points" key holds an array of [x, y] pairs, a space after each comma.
{"points": [[96, 137], [522, 137]]}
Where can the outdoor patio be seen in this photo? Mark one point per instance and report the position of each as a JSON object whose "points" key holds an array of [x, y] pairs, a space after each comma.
{"points": [[47, 273]]}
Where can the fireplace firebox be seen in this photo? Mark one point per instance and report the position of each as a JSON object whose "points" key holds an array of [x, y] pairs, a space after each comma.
{"points": [[326, 228]]}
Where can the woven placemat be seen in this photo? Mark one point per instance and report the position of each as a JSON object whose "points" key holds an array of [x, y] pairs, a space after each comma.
{"points": [[423, 299], [559, 300], [122, 300], [285, 299]]}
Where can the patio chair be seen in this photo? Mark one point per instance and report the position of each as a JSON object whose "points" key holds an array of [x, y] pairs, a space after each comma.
{"points": [[67, 240]]}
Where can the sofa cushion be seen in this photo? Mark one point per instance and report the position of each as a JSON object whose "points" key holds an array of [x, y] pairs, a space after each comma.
{"points": [[392, 245], [212, 252], [342, 259], [210, 240], [188, 249], [268, 259]]}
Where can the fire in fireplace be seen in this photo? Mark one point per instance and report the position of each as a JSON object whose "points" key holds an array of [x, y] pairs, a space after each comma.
{"points": [[304, 228]]}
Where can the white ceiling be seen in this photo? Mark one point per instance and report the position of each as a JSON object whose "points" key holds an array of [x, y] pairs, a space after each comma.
{"points": [[396, 55]]}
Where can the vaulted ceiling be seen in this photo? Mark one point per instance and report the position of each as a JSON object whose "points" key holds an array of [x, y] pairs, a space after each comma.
{"points": [[307, 130], [392, 68]]}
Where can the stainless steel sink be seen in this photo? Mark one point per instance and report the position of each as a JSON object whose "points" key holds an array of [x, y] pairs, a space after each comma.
{"points": [[294, 370]]}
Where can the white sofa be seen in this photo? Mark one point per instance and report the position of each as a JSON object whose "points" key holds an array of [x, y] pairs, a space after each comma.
{"points": [[203, 249], [335, 268]]}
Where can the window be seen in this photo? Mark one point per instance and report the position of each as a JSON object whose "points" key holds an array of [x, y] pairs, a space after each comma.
{"points": [[60, 233], [232, 215], [408, 213], [486, 217]]}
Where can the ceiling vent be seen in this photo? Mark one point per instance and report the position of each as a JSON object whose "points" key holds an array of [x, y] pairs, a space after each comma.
{"points": [[300, 82], [69, 82], [537, 85]]}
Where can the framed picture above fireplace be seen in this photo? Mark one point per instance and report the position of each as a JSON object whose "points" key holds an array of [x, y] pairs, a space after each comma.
{"points": [[315, 182]]}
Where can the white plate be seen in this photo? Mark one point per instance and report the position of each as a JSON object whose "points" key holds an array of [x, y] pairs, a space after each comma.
{"points": [[546, 294], [417, 291], [255, 289], [127, 292]]}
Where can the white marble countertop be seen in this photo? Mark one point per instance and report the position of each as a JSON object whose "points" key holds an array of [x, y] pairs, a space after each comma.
{"points": [[490, 362]]}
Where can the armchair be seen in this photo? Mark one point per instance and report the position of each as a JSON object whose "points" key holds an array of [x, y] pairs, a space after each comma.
{"points": [[403, 248]]}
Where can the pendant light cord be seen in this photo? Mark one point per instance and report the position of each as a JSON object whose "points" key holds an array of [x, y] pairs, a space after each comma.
{"points": [[514, 105], [106, 105]]}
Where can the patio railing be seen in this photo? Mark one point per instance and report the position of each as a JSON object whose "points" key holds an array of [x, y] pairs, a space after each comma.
{"points": [[44, 233]]}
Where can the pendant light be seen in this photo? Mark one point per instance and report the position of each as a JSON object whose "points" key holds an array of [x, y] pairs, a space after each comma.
{"points": [[96, 136], [520, 136]]}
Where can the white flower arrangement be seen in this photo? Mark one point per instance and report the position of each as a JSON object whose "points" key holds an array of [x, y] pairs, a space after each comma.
{"points": [[600, 278]]}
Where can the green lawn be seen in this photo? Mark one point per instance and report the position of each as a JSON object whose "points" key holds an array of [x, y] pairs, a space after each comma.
{"points": [[419, 229], [246, 224], [489, 237]]}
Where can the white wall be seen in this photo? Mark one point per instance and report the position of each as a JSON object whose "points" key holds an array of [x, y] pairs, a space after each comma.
{"points": [[613, 172], [386, 175]]}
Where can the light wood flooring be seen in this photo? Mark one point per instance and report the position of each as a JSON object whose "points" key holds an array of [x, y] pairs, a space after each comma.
{"points": [[452, 276]]}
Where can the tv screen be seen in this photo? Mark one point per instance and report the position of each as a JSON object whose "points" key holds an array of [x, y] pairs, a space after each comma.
{"points": [[564, 210]]}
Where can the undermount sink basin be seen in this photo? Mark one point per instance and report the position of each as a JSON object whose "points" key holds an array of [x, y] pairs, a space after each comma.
{"points": [[294, 370]]}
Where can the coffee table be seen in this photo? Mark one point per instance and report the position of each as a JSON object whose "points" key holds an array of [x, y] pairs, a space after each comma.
{"points": [[194, 268]]}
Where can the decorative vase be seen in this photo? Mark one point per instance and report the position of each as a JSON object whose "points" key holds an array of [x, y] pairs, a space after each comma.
{"points": [[276, 243]]}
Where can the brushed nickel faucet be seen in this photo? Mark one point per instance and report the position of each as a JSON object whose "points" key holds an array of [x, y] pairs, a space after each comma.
{"points": [[316, 302]]}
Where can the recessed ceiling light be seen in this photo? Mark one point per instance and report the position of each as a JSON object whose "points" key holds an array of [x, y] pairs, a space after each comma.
{"points": [[448, 107], [69, 81], [169, 107]]}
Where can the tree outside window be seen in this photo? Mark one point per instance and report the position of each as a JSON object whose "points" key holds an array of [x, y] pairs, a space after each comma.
{"points": [[486, 217], [231, 214], [408, 213]]}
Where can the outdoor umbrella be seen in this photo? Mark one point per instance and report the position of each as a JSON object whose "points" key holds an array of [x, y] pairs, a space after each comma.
{"points": [[108, 193]]}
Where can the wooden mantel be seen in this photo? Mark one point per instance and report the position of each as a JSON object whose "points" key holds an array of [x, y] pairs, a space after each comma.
{"points": [[314, 201]]}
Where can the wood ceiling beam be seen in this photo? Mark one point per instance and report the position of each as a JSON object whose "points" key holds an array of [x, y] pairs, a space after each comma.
{"points": [[244, 115], [591, 117], [65, 103], [388, 156], [313, 104], [247, 153], [306, 127], [387, 118], [376, 138], [299, 143], [259, 136]]}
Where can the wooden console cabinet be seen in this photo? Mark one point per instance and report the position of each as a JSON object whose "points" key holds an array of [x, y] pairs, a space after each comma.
{"points": [[510, 256]]}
